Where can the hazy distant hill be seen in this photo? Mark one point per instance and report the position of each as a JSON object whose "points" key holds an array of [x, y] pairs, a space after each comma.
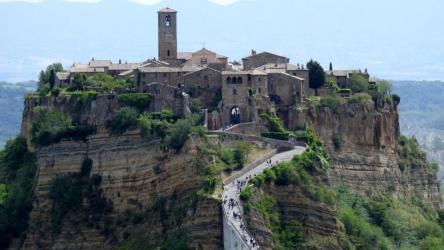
{"points": [[11, 107], [422, 115]]}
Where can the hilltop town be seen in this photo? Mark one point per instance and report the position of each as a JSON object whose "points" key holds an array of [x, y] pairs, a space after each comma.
{"points": [[263, 82], [192, 151]]}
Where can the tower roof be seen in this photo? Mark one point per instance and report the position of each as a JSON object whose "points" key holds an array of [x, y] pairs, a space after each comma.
{"points": [[167, 10]]}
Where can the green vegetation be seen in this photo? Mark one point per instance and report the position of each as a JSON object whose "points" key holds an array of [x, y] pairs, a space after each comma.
{"points": [[331, 101], [316, 75], [177, 133], [104, 83], [385, 222], [337, 141], [17, 177], [68, 192], [125, 118], [275, 126], [47, 78], [361, 98], [357, 83], [411, 156], [139, 101], [50, 126], [300, 170]]}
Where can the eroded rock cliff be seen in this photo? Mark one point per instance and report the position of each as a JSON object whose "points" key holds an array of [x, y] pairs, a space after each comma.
{"points": [[363, 142], [136, 176]]}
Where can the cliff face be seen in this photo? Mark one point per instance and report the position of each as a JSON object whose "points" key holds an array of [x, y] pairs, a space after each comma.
{"points": [[318, 220], [135, 175], [362, 143]]}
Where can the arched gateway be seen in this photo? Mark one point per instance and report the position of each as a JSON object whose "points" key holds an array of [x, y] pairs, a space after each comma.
{"points": [[235, 115]]}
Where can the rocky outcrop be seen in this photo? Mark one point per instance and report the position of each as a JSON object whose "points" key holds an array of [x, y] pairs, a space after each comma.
{"points": [[362, 142], [136, 173], [318, 220]]}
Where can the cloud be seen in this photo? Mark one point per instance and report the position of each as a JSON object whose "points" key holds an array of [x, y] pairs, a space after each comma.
{"points": [[40, 1], [83, 1], [147, 2], [24, 1], [227, 2]]}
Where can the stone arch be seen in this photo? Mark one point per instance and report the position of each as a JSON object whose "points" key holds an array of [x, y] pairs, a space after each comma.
{"points": [[234, 115]]}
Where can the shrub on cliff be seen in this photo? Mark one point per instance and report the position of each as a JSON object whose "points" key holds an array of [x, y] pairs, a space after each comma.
{"points": [[17, 179], [411, 156], [139, 101], [179, 132], [274, 124], [331, 101], [50, 126], [386, 222], [125, 118], [357, 83], [361, 98]]}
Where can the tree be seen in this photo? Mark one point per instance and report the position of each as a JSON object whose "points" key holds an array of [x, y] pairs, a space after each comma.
{"points": [[47, 76], [384, 87], [52, 78], [358, 83], [330, 67], [316, 75]]}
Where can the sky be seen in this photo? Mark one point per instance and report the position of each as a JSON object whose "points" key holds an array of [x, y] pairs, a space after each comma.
{"points": [[393, 39]]}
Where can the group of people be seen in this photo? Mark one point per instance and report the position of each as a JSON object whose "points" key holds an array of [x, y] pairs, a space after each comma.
{"points": [[270, 164]]}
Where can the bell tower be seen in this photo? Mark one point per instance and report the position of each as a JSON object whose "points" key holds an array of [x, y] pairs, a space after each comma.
{"points": [[167, 35]]}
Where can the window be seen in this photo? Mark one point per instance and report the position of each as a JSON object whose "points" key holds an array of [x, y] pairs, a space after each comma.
{"points": [[249, 78], [164, 75], [168, 52], [234, 92], [203, 61], [206, 78], [228, 79], [155, 75], [259, 90], [234, 80], [239, 79], [168, 21], [259, 79]]}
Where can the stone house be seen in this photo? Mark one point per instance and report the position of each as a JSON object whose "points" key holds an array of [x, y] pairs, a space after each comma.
{"points": [[256, 60], [205, 85], [165, 97], [205, 58], [342, 77]]}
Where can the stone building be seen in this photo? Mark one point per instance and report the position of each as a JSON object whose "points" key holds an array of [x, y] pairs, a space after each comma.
{"points": [[166, 97], [256, 60], [205, 85], [342, 77], [205, 58]]}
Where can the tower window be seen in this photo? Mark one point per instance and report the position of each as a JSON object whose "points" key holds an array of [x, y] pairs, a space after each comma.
{"points": [[168, 53], [168, 21], [234, 92], [228, 79]]}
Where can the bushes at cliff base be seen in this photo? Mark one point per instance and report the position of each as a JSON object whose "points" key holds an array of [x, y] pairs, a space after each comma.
{"points": [[17, 178]]}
